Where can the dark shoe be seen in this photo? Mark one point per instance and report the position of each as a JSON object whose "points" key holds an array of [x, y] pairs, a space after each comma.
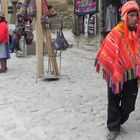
{"points": [[3, 70], [112, 135]]}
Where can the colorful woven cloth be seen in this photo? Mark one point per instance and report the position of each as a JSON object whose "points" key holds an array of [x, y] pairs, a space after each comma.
{"points": [[83, 7], [118, 58]]}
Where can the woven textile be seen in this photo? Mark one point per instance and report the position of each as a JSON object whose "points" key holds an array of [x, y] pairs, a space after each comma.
{"points": [[23, 8], [119, 57], [45, 10], [31, 8], [83, 7]]}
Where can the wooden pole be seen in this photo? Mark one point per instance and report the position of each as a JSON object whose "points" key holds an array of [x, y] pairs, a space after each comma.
{"points": [[51, 53], [39, 41], [100, 4], [4, 4]]}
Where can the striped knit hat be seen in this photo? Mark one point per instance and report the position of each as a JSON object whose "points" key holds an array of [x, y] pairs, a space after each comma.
{"points": [[128, 6]]}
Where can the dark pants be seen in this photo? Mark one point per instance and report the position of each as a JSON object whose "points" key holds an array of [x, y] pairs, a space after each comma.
{"points": [[121, 105], [15, 45]]}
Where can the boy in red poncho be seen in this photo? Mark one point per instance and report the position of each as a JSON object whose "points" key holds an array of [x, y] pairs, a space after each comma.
{"points": [[119, 59], [4, 43]]}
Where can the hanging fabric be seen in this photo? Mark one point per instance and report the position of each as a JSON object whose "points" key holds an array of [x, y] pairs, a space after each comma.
{"points": [[82, 7], [31, 9], [81, 24], [23, 9], [45, 10], [28, 9], [92, 25], [82, 11], [111, 17], [75, 25], [86, 21], [18, 5]]}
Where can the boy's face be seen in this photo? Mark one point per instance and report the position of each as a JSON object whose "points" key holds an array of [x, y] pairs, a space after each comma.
{"points": [[132, 19]]}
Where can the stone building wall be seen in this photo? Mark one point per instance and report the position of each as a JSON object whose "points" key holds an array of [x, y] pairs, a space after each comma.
{"points": [[64, 10]]}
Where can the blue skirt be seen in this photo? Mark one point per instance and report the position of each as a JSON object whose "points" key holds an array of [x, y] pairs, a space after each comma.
{"points": [[4, 51]]}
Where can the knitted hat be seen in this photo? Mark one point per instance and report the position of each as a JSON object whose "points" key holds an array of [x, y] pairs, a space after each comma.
{"points": [[128, 6], [2, 14]]}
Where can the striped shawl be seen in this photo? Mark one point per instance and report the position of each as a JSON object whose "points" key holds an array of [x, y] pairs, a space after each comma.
{"points": [[119, 57]]}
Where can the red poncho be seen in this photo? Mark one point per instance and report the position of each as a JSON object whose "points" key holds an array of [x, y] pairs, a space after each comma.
{"points": [[119, 57]]}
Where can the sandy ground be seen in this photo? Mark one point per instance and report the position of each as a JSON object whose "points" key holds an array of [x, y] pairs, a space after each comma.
{"points": [[67, 109]]}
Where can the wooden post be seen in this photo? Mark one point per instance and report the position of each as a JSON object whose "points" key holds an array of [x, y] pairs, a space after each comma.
{"points": [[4, 4], [51, 54], [39, 41], [100, 4]]}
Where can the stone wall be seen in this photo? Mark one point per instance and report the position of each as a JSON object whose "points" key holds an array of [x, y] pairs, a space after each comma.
{"points": [[64, 10]]}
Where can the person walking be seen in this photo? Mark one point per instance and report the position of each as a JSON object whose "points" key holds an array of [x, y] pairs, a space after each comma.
{"points": [[4, 43], [119, 60]]}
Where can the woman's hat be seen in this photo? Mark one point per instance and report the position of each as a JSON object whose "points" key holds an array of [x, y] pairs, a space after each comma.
{"points": [[2, 14]]}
